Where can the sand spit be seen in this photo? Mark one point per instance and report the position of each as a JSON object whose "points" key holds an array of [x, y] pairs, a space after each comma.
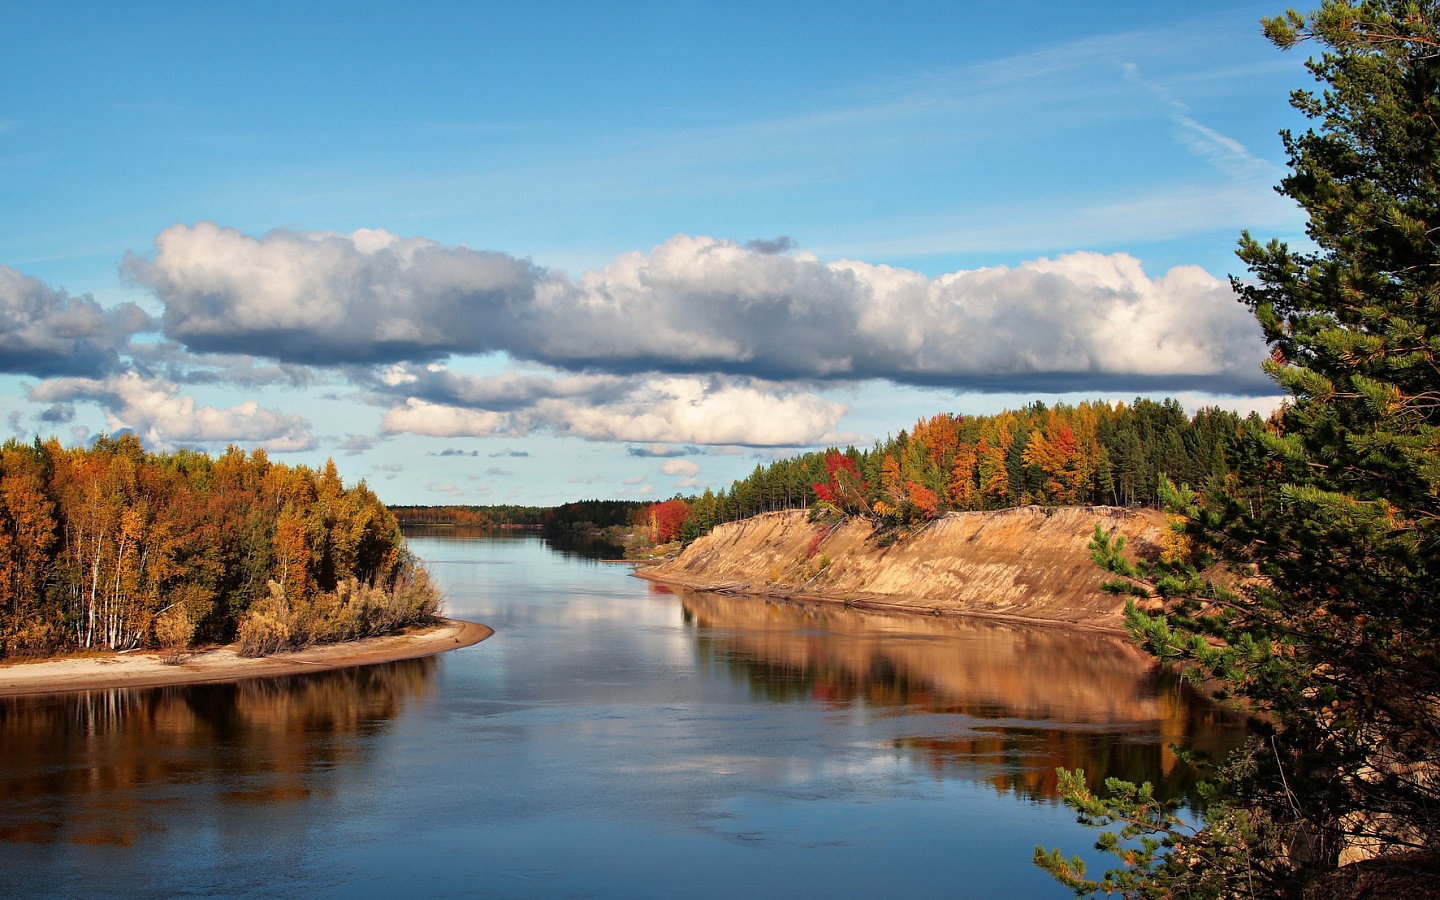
{"points": [[146, 668]]}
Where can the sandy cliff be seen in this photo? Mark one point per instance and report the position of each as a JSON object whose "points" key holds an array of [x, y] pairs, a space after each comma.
{"points": [[1030, 563]]}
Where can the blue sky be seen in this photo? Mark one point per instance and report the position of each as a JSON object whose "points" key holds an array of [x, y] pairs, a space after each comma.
{"points": [[488, 253]]}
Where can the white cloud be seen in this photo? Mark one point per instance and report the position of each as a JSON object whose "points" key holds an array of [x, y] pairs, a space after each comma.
{"points": [[435, 420], [680, 467], [162, 417], [699, 411], [1081, 321], [655, 411]]}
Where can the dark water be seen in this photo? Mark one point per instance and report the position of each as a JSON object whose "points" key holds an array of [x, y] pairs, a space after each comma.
{"points": [[612, 739]]}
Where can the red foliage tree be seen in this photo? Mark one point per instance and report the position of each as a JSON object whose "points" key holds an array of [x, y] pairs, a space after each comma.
{"points": [[666, 520], [845, 489]]}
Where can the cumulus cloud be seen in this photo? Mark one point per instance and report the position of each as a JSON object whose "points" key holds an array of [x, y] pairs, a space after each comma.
{"points": [[1079, 322], [681, 409], [680, 467], [44, 331], [323, 298], [421, 417], [156, 411]]}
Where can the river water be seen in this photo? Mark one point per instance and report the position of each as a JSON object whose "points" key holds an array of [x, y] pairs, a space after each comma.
{"points": [[612, 739]]}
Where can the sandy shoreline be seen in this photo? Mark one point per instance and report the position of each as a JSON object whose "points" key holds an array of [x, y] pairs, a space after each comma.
{"points": [[146, 669]]}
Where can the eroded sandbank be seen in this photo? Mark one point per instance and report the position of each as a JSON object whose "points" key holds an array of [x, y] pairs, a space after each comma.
{"points": [[1029, 565]]}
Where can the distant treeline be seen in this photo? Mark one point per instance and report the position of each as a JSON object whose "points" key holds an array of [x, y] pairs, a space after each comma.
{"points": [[470, 516], [577, 516], [586, 514], [111, 547], [1062, 455]]}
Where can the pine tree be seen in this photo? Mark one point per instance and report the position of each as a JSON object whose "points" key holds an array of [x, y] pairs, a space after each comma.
{"points": [[1331, 526]]}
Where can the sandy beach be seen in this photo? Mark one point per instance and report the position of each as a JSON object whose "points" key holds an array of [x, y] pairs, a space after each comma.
{"points": [[147, 669]]}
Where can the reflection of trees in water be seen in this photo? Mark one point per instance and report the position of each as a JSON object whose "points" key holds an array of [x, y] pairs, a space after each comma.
{"points": [[74, 765], [467, 533], [584, 546], [1041, 697], [572, 545]]}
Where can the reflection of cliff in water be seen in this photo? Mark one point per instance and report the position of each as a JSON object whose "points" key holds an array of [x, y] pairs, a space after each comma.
{"points": [[70, 764], [1029, 699]]}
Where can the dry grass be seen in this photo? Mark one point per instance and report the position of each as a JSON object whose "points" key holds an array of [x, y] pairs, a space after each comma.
{"points": [[352, 611]]}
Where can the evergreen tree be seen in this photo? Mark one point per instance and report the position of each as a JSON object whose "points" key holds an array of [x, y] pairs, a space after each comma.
{"points": [[1329, 519]]}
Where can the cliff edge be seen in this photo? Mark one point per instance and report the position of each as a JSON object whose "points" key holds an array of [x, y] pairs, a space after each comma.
{"points": [[1031, 563]]}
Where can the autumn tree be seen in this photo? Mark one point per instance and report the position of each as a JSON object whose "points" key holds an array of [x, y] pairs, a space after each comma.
{"points": [[964, 482], [844, 490], [667, 519], [27, 536], [993, 451]]}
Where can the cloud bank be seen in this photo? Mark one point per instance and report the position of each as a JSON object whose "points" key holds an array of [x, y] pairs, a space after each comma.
{"points": [[1079, 322], [697, 343], [44, 331]]}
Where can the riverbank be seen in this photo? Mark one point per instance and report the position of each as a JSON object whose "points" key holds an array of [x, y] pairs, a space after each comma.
{"points": [[1030, 564], [140, 669]]}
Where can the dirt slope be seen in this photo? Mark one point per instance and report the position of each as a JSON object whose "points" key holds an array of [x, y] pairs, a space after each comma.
{"points": [[1030, 563]]}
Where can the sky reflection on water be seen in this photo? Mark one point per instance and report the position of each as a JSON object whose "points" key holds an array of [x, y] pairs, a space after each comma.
{"points": [[611, 739]]}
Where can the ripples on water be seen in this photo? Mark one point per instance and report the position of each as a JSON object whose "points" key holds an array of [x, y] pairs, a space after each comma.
{"points": [[613, 738]]}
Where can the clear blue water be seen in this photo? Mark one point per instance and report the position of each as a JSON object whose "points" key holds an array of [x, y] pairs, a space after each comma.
{"points": [[612, 739]]}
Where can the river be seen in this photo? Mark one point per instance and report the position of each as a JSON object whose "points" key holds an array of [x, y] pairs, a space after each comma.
{"points": [[611, 739]]}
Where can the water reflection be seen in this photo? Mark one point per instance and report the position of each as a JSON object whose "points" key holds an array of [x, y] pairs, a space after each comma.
{"points": [[609, 740], [585, 547], [1024, 700], [467, 534], [571, 545], [104, 767]]}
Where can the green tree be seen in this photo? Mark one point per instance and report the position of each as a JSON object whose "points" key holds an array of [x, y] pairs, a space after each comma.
{"points": [[1331, 527]]}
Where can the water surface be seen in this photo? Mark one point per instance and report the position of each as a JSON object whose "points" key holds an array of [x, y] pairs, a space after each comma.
{"points": [[612, 739]]}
